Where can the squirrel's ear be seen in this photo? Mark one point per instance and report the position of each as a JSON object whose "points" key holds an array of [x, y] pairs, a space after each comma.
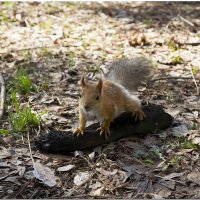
{"points": [[99, 85], [82, 81]]}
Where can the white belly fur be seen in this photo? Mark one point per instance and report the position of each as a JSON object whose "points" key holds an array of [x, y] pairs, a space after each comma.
{"points": [[93, 115]]}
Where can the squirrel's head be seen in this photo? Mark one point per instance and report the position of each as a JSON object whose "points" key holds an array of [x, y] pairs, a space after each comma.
{"points": [[90, 94]]}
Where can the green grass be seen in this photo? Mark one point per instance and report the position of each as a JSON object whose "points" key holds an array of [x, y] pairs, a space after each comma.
{"points": [[147, 22], [21, 83], [91, 68], [8, 3], [178, 59], [188, 144], [45, 52], [173, 163], [20, 118], [3, 17], [23, 120], [47, 24], [141, 154], [148, 157], [155, 151], [195, 70], [173, 45]]}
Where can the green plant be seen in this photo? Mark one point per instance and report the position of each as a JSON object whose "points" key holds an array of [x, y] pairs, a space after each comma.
{"points": [[143, 155], [27, 56], [155, 151], [147, 21], [91, 68], [188, 144], [8, 3], [195, 126], [177, 59], [21, 118], [3, 17], [4, 131], [22, 82], [45, 52], [47, 24], [173, 45], [140, 154], [171, 163], [195, 70]]}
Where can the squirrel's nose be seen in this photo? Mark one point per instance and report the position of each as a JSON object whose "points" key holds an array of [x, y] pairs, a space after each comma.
{"points": [[87, 107]]}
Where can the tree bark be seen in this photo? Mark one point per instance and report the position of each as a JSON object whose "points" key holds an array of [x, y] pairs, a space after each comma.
{"points": [[63, 142]]}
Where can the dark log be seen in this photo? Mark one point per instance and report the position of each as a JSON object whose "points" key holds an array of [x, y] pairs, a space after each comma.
{"points": [[123, 126]]}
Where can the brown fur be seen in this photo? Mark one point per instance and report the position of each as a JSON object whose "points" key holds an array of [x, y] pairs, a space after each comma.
{"points": [[105, 101]]}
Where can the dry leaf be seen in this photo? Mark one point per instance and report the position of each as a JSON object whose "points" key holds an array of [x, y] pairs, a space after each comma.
{"points": [[98, 192], [29, 175], [194, 177], [65, 168], [180, 131], [164, 193], [81, 177], [4, 153], [45, 174], [13, 179]]}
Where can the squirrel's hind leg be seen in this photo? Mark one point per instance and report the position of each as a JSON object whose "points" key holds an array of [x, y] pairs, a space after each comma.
{"points": [[135, 107]]}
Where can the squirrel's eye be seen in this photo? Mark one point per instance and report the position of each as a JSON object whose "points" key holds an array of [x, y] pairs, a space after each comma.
{"points": [[97, 97]]}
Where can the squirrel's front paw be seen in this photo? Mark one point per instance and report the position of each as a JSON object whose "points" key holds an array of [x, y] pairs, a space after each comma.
{"points": [[139, 115], [104, 130], [78, 131]]}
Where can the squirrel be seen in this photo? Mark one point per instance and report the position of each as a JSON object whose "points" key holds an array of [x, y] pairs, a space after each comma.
{"points": [[111, 95]]}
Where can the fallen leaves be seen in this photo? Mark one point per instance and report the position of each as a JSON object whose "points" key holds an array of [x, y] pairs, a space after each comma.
{"points": [[5, 153], [90, 36], [65, 168], [81, 177], [45, 174], [194, 177]]}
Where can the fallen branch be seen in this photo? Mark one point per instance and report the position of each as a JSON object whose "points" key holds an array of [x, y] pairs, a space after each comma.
{"points": [[64, 141], [3, 92]]}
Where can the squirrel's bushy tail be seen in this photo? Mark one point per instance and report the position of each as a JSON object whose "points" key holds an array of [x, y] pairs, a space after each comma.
{"points": [[130, 72]]}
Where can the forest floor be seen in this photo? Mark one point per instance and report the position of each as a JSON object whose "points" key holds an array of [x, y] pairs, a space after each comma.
{"points": [[44, 50]]}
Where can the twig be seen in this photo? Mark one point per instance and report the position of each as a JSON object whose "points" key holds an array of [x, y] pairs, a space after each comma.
{"points": [[142, 188], [169, 179], [22, 189], [3, 92], [167, 78], [95, 172], [186, 21], [29, 145], [195, 82], [34, 194]]}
